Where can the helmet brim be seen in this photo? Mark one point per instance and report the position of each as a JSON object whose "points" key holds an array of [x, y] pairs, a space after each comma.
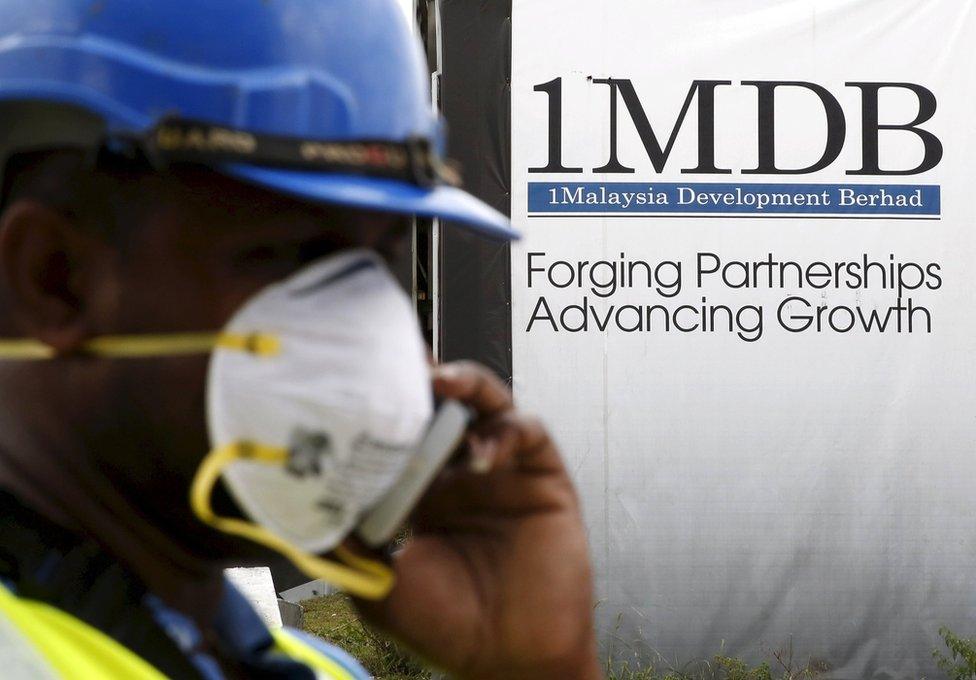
{"points": [[442, 202]]}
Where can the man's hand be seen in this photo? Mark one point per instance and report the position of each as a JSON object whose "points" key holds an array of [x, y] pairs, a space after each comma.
{"points": [[495, 581]]}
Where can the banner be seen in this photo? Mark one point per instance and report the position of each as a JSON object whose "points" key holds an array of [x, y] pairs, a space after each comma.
{"points": [[744, 303]]}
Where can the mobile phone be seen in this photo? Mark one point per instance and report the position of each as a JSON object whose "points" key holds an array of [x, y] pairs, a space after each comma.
{"points": [[442, 439]]}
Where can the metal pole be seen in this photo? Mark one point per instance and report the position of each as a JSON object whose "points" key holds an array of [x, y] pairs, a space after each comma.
{"points": [[435, 264]]}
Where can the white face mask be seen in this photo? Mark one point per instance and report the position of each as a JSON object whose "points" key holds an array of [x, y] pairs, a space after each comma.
{"points": [[318, 396], [348, 395], [331, 410]]}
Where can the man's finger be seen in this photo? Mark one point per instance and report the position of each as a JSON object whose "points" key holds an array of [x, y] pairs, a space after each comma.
{"points": [[473, 385], [514, 440], [466, 499]]}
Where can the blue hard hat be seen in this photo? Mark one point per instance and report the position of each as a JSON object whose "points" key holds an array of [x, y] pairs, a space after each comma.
{"points": [[327, 100]]}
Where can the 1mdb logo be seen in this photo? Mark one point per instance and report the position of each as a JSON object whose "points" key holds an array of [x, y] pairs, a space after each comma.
{"points": [[704, 92]]}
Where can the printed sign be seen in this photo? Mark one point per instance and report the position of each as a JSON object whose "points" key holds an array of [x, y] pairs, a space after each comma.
{"points": [[744, 304]]}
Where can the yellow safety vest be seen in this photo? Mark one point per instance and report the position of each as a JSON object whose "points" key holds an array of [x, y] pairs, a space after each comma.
{"points": [[38, 641]]}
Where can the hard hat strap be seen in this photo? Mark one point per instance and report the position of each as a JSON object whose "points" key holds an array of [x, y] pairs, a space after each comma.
{"points": [[178, 140]]}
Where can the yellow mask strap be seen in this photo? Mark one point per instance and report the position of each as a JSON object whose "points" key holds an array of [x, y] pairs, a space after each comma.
{"points": [[140, 346], [360, 576]]}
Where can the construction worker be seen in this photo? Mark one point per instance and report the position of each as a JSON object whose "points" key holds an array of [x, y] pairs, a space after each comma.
{"points": [[205, 362]]}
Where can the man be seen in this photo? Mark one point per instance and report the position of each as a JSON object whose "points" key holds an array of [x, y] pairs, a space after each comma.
{"points": [[165, 164]]}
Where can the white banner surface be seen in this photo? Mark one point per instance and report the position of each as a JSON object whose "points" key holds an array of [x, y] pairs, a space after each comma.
{"points": [[744, 303]]}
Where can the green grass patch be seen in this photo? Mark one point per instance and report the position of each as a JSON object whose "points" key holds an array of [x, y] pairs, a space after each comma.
{"points": [[960, 661], [334, 619], [780, 666]]}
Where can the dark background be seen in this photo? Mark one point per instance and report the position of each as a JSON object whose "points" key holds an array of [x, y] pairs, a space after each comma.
{"points": [[475, 291]]}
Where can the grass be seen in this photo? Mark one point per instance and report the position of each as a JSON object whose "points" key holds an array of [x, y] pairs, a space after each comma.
{"points": [[334, 619], [624, 659], [960, 662], [780, 666]]}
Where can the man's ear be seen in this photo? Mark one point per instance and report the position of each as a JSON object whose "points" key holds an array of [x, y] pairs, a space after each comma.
{"points": [[44, 258]]}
